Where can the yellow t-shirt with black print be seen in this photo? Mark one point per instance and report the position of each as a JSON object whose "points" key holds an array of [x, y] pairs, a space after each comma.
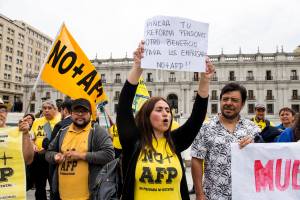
{"points": [[73, 175], [158, 174], [38, 129]]}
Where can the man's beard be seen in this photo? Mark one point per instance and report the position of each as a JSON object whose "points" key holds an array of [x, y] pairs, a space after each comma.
{"points": [[82, 125], [229, 117]]}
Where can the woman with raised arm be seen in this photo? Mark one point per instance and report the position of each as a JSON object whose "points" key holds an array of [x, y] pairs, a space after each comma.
{"points": [[151, 161]]}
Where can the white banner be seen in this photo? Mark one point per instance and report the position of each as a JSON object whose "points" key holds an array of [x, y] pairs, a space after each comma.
{"points": [[173, 43], [266, 171]]}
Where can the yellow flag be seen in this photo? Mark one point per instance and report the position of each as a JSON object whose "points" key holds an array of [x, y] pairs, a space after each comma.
{"points": [[141, 95], [68, 70], [12, 167]]}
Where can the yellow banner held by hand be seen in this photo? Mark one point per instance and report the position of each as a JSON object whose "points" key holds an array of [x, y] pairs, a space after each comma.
{"points": [[141, 96], [68, 70]]}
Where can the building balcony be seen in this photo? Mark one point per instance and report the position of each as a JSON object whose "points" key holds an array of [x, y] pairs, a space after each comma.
{"points": [[213, 98], [250, 78], [173, 79], [116, 98], [149, 79], [117, 80], [251, 98], [195, 78], [295, 97], [231, 78], [269, 97], [269, 78], [294, 77], [214, 78]]}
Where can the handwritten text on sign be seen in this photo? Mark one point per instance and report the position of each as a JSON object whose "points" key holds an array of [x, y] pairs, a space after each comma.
{"points": [[175, 44], [266, 171]]}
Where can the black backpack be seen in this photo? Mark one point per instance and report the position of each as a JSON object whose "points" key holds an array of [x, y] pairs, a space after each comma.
{"points": [[109, 182]]}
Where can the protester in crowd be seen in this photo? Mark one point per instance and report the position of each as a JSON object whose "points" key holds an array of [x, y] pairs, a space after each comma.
{"points": [[268, 132], [29, 118], [66, 120], [151, 157], [27, 148], [41, 129], [287, 117], [79, 152], [212, 145], [259, 118], [291, 134]]}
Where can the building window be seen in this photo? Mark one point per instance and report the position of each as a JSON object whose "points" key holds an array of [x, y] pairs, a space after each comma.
{"points": [[196, 76], [117, 95], [116, 108], [251, 108], [103, 79], [214, 95], [296, 107], [270, 109], [172, 77], [48, 95], [269, 95], [32, 108], [150, 93], [251, 95], [118, 78], [250, 76], [294, 75], [295, 95], [149, 77], [231, 76], [269, 75], [214, 108], [214, 77], [195, 94], [32, 98]]}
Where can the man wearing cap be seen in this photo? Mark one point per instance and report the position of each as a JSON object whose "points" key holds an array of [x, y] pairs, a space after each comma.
{"points": [[79, 152], [24, 127], [268, 131], [259, 118], [41, 129]]}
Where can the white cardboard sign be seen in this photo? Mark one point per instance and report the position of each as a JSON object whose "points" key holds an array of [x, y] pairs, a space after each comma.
{"points": [[173, 43], [266, 171]]}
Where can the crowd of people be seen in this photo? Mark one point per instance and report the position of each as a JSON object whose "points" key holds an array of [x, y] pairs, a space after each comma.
{"points": [[65, 147]]}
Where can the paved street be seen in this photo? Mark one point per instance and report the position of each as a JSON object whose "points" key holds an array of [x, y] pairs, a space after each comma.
{"points": [[30, 194]]}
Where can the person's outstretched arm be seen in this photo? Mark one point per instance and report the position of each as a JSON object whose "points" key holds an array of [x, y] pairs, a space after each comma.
{"points": [[184, 135], [128, 132]]}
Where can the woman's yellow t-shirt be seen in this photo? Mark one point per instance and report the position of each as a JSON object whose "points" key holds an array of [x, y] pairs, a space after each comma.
{"points": [[158, 174]]}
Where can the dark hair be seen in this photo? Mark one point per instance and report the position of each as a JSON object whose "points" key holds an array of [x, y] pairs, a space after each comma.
{"points": [[296, 128], [67, 104], [145, 127], [230, 87], [31, 115], [287, 109]]}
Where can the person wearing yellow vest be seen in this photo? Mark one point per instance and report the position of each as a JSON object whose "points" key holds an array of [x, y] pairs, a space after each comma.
{"points": [[79, 151], [151, 152], [41, 129], [259, 118]]}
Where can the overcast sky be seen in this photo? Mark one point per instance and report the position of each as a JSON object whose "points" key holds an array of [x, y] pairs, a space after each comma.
{"points": [[116, 26]]}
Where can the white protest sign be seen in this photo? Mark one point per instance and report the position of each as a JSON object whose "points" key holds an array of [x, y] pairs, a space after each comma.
{"points": [[265, 171], [173, 43]]}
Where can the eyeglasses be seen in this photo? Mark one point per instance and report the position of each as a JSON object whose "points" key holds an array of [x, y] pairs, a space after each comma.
{"points": [[80, 112], [234, 100]]}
